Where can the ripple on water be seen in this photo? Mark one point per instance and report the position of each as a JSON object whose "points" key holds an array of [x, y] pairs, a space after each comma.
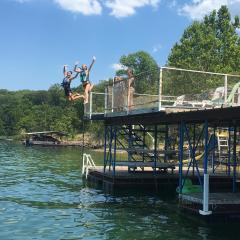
{"points": [[42, 197]]}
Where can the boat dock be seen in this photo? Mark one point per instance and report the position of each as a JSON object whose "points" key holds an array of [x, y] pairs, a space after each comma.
{"points": [[189, 141]]}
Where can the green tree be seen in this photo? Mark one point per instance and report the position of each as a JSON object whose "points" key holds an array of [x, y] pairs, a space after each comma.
{"points": [[210, 45], [146, 71]]}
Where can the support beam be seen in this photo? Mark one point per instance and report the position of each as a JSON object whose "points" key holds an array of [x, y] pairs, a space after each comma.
{"points": [[180, 154], [155, 148], [229, 152], [234, 158], [105, 148], [110, 148], [160, 89], [205, 210], [166, 142], [114, 150]]}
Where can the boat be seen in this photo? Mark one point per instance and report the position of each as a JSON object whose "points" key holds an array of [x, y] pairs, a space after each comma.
{"points": [[45, 138]]}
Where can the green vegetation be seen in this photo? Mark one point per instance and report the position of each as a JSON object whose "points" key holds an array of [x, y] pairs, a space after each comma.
{"points": [[145, 69], [26, 110], [210, 45]]}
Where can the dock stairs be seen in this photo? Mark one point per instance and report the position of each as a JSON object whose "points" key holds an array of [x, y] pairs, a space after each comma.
{"points": [[138, 142]]}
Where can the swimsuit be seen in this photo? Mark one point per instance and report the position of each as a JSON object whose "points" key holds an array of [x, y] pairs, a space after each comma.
{"points": [[66, 86], [84, 78]]}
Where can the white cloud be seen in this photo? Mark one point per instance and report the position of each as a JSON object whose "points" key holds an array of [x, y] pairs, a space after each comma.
{"points": [[118, 66], [197, 9], [118, 8], [86, 7], [125, 8]]}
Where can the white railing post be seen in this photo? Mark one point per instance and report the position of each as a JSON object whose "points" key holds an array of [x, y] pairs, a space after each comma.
{"points": [[87, 163], [113, 96], [105, 100], [83, 165], [127, 96], [160, 89], [90, 110], [225, 88], [205, 210]]}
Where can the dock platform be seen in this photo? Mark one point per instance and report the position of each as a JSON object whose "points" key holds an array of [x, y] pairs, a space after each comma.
{"points": [[219, 203], [172, 135], [158, 180]]}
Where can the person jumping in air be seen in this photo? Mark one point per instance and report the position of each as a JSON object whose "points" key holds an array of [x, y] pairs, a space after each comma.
{"points": [[66, 84], [84, 78]]}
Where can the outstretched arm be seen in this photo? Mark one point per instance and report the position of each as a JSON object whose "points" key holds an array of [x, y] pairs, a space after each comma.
{"points": [[74, 76], [93, 61], [75, 67], [65, 70]]}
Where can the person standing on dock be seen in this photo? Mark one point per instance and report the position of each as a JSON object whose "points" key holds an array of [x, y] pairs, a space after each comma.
{"points": [[84, 72], [66, 84], [131, 88]]}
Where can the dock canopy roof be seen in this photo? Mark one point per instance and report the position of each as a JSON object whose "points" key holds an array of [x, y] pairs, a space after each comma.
{"points": [[47, 132]]}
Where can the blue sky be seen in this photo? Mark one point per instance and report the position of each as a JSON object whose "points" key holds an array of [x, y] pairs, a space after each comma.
{"points": [[39, 36]]}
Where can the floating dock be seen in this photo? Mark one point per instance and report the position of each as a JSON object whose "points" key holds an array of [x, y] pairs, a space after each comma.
{"points": [[169, 140]]}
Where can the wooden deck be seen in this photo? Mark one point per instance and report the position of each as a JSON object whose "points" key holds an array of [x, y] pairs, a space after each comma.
{"points": [[214, 198], [150, 179], [224, 204]]}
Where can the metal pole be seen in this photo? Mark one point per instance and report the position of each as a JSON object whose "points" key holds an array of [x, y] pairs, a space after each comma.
{"points": [[129, 144], [180, 154], [194, 147], [113, 97], [214, 149], [229, 152], [128, 97], [225, 88], [166, 143], [155, 148], [106, 101], [144, 139], [160, 89], [205, 210], [206, 147], [90, 112], [110, 148], [234, 157], [115, 150], [105, 148]]}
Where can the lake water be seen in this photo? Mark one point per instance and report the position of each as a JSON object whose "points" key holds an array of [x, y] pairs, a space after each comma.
{"points": [[42, 196]]}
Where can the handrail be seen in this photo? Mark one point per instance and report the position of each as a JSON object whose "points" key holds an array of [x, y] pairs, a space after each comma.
{"points": [[197, 71], [87, 163], [115, 98]]}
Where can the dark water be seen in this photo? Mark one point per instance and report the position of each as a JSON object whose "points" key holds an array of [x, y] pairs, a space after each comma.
{"points": [[42, 196]]}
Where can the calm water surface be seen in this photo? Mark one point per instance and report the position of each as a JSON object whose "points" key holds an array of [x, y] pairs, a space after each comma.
{"points": [[42, 196]]}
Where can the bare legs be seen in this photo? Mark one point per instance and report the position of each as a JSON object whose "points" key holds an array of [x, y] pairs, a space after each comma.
{"points": [[75, 96], [131, 91], [87, 89]]}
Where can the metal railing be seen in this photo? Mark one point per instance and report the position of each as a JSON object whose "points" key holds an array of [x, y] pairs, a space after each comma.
{"points": [[168, 87], [86, 164]]}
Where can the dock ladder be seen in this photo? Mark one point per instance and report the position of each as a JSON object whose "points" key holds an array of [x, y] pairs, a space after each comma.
{"points": [[87, 164], [223, 138]]}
